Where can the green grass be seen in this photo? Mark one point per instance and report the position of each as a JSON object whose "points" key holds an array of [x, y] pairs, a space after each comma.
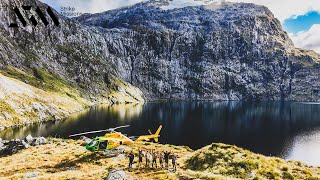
{"points": [[5, 107], [42, 79], [231, 161]]}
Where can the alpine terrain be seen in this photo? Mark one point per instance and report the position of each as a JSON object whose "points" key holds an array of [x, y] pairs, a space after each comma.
{"points": [[148, 51]]}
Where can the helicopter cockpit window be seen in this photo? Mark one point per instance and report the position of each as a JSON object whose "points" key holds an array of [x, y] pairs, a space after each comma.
{"points": [[103, 145], [92, 143]]}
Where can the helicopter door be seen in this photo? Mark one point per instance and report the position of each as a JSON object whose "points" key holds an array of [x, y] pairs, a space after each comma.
{"points": [[103, 145]]}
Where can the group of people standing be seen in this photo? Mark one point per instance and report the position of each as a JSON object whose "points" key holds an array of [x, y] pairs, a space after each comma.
{"points": [[152, 159]]}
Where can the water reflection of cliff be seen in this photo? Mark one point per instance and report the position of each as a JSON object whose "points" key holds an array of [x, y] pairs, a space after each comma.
{"points": [[276, 128], [89, 119], [267, 127]]}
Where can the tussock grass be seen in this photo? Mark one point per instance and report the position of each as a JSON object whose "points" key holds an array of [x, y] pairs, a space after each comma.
{"points": [[233, 162], [66, 159]]}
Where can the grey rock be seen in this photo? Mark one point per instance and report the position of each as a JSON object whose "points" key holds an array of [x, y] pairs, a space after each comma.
{"points": [[5, 142], [12, 147], [38, 141], [8, 147], [29, 139], [116, 175], [25, 144], [232, 51], [32, 174]]}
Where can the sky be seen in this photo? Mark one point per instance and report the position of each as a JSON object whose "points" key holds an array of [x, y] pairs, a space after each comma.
{"points": [[300, 18]]}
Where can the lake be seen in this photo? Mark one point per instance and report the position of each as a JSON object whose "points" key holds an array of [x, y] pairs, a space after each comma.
{"points": [[290, 130]]}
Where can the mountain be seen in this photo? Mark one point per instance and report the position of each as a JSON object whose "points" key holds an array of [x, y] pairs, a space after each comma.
{"points": [[220, 51], [149, 51], [51, 72]]}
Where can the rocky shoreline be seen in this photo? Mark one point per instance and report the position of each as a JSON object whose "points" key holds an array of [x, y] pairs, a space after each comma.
{"points": [[10, 147]]}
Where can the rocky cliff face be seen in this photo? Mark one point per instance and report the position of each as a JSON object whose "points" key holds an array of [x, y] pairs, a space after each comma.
{"points": [[56, 67], [220, 51], [68, 51]]}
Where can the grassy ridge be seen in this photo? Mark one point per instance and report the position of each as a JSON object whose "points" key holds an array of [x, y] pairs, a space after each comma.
{"points": [[230, 161], [67, 159]]}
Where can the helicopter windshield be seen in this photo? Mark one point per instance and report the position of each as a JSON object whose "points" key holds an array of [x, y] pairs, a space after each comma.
{"points": [[92, 143]]}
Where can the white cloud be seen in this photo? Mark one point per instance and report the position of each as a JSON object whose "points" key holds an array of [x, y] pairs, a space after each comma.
{"points": [[308, 39], [284, 9]]}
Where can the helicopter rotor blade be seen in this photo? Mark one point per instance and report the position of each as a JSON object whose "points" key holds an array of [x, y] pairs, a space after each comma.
{"points": [[105, 130], [113, 129], [91, 132]]}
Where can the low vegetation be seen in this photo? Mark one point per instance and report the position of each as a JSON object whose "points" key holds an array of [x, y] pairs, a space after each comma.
{"points": [[36, 95], [42, 79], [27, 97], [67, 159], [220, 160]]}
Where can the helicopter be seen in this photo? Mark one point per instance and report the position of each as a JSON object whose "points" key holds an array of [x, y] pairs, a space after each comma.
{"points": [[112, 139]]}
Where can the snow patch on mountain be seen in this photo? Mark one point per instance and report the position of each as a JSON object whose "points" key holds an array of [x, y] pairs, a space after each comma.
{"points": [[173, 4]]}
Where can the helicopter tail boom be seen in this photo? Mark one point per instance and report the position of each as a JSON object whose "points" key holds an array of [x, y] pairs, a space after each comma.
{"points": [[155, 136]]}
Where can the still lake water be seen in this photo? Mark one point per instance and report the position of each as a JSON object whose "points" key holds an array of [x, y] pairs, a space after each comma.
{"points": [[289, 130]]}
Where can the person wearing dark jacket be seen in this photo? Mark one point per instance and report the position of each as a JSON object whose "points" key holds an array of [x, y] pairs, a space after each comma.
{"points": [[140, 157], [131, 158], [161, 159], [166, 158], [154, 158], [174, 161]]}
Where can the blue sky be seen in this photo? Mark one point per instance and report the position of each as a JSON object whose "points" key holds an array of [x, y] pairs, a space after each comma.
{"points": [[302, 22], [300, 18]]}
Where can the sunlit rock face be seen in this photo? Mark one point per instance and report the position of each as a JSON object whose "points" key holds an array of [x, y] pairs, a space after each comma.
{"points": [[225, 51], [68, 51], [217, 51]]}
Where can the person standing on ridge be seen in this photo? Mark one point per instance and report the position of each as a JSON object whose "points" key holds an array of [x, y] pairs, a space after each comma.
{"points": [[174, 158], [160, 154], [140, 155], [131, 158], [166, 159], [148, 157], [154, 158]]}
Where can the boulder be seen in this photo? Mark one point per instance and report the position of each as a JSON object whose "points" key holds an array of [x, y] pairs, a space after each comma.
{"points": [[13, 146], [29, 139], [1, 145], [38, 141], [32, 174], [25, 144], [116, 175]]}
